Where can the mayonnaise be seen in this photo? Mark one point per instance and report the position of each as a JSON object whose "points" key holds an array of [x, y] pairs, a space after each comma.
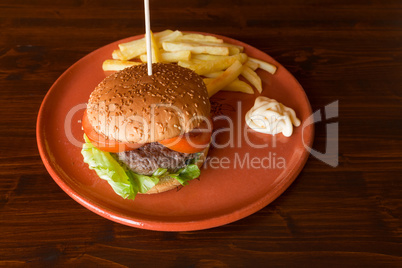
{"points": [[271, 117]]}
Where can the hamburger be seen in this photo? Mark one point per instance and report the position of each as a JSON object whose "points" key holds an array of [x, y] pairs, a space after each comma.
{"points": [[147, 134]]}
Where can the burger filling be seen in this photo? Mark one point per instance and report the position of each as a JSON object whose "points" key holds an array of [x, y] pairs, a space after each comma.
{"points": [[148, 158], [138, 171]]}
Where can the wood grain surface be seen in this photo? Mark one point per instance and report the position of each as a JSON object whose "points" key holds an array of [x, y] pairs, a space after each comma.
{"points": [[347, 216]]}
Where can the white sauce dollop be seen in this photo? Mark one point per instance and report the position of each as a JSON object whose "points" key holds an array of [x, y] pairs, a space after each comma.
{"points": [[271, 117]]}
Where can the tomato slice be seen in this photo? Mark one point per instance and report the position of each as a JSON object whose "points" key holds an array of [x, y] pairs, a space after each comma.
{"points": [[101, 142], [192, 142]]}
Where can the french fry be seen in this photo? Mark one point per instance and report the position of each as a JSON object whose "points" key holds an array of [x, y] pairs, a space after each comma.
{"points": [[139, 42], [135, 48], [200, 38], [171, 56], [239, 86], [118, 65], [134, 51], [270, 68], [253, 65], [234, 50], [156, 55], [205, 67], [176, 56], [239, 48], [207, 80], [170, 37], [236, 86], [116, 55], [207, 57], [225, 78], [213, 75], [195, 48], [252, 77]]}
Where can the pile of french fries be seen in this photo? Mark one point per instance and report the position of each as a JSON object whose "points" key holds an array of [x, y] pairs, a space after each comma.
{"points": [[219, 63]]}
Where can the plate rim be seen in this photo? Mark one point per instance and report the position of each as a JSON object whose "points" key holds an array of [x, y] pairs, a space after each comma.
{"points": [[164, 225]]}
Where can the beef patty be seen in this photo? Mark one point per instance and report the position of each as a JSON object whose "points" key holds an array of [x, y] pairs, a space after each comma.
{"points": [[148, 158]]}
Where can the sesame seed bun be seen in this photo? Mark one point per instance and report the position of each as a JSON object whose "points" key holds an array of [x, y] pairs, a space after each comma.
{"points": [[130, 106]]}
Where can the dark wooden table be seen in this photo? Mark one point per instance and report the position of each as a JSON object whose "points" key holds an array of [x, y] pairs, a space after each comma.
{"points": [[349, 215]]}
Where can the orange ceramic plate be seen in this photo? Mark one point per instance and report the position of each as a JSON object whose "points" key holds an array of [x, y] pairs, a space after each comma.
{"points": [[237, 181]]}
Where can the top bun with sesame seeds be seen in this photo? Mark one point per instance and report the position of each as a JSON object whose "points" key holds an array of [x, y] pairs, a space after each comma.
{"points": [[130, 106]]}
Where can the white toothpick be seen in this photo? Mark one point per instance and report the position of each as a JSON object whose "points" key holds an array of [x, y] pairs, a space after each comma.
{"points": [[148, 37]]}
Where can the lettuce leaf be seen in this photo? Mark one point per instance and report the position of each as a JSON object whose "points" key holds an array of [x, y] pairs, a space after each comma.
{"points": [[124, 181], [186, 174]]}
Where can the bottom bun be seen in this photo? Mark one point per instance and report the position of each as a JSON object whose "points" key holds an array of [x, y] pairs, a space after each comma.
{"points": [[167, 183]]}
